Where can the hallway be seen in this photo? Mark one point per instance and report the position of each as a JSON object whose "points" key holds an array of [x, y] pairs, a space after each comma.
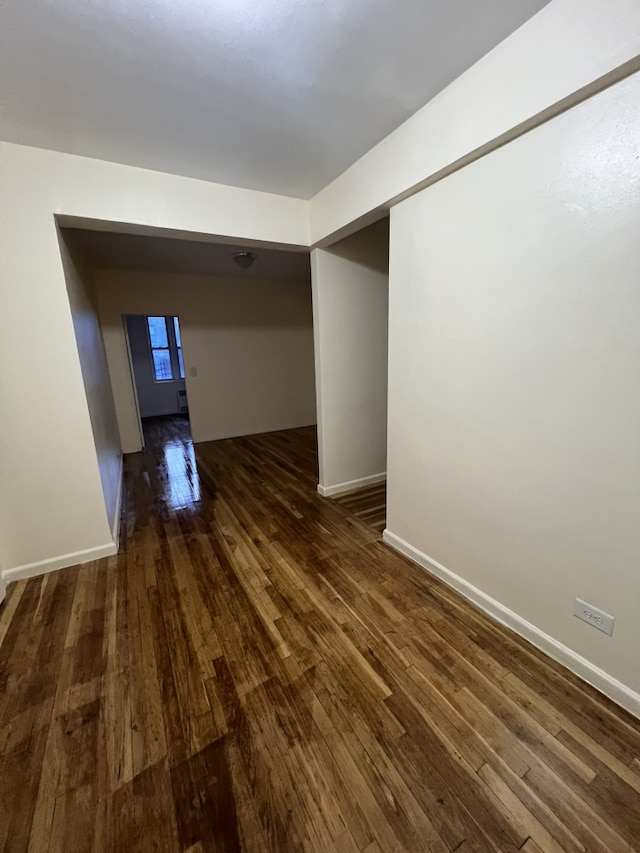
{"points": [[256, 671]]}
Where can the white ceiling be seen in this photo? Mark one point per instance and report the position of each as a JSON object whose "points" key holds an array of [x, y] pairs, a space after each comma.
{"points": [[108, 250], [276, 95]]}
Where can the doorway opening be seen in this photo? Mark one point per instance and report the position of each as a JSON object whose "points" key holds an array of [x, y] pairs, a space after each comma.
{"points": [[158, 373], [247, 366], [350, 280]]}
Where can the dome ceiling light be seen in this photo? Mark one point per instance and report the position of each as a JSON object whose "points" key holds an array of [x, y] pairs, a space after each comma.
{"points": [[245, 259]]}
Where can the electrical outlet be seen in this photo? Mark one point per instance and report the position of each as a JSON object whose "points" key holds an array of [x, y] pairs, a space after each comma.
{"points": [[592, 616]]}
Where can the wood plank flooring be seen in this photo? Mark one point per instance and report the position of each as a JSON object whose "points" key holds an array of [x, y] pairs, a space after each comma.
{"points": [[254, 671], [369, 504]]}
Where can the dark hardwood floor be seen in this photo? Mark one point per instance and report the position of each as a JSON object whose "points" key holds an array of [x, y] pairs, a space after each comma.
{"points": [[368, 504], [256, 671]]}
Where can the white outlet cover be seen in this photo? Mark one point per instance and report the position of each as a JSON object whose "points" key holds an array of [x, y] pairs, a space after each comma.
{"points": [[594, 616]]}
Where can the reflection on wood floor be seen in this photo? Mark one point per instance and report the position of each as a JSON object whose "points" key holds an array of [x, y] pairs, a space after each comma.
{"points": [[174, 477], [255, 671]]}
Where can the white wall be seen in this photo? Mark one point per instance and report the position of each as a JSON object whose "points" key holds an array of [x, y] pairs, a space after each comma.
{"points": [[250, 341], [51, 502], [95, 377], [514, 405], [154, 398], [562, 50], [350, 309]]}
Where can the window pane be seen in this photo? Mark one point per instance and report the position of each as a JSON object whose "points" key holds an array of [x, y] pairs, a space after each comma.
{"points": [[181, 363], [158, 331], [176, 328], [162, 363]]}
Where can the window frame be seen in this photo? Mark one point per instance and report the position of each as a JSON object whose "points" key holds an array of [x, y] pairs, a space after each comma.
{"points": [[174, 349], [177, 336]]}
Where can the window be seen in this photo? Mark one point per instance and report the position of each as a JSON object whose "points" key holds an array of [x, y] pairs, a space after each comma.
{"points": [[166, 348], [176, 332]]}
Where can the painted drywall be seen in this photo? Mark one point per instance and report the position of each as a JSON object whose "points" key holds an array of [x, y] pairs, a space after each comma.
{"points": [[514, 359], [560, 51], [51, 500], [279, 96], [154, 398], [250, 342], [95, 377], [52, 504], [350, 283]]}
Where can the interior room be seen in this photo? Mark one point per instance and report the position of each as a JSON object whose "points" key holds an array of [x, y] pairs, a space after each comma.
{"points": [[320, 435], [246, 333]]}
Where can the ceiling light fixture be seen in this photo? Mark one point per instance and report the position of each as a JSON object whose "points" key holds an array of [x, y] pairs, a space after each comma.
{"points": [[244, 259]]}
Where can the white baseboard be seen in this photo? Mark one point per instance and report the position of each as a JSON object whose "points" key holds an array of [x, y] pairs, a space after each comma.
{"points": [[589, 672], [42, 567], [31, 570], [115, 530], [328, 491]]}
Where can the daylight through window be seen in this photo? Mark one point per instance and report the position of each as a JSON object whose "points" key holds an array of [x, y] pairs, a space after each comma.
{"points": [[166, 348]]}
